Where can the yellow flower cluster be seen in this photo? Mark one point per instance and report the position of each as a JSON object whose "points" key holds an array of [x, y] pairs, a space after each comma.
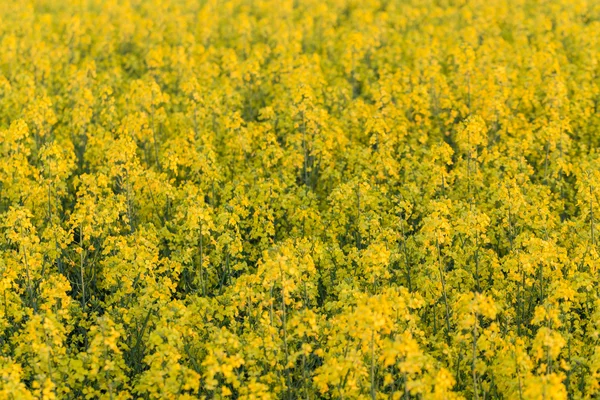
{"points": [[300, 199]]}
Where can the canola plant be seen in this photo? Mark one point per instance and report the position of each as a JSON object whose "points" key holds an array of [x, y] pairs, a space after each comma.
{"points": [[299, 199]]}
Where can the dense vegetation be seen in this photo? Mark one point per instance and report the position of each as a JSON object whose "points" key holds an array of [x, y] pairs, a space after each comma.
{"points": [[299, 199]]}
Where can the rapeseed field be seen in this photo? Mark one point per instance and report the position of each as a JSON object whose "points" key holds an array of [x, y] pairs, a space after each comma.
{"points": [[299, 199]]}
